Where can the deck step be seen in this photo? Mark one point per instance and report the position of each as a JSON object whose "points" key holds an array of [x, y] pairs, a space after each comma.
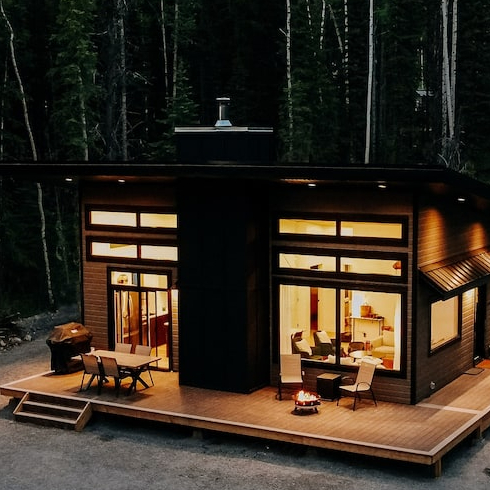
{"points": [[54, 411]]}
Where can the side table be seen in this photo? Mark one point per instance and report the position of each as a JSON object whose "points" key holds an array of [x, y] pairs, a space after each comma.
{"points": [[327, 386]]}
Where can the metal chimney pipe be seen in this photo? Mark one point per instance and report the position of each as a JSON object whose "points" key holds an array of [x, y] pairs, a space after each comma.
{"points": [[223, 112]]}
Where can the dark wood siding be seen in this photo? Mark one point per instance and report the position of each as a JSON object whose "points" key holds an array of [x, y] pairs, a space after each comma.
{"points": [[449, 362], [446, 229]]}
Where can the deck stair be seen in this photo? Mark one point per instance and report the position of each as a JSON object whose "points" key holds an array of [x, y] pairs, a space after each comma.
{"points": [[54, 411]]}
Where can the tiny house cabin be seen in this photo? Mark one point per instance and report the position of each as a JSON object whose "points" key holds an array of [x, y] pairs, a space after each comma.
{"points": [[224, 260]]}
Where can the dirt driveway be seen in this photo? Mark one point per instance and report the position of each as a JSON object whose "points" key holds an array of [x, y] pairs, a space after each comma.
{"points": [[114, 453]]}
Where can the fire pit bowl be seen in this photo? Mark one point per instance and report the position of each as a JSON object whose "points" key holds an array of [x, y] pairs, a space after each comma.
{"points": [[306, 402]]}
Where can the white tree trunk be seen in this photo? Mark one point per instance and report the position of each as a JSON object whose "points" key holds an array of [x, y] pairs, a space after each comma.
{"points": [[289, 78], [83, 117], [369, 98], [322, 25], [19, 82], [44, 243], [176, 50], [122, 55], [453, 61], [447, 101], [164, 47], [34, 155]]}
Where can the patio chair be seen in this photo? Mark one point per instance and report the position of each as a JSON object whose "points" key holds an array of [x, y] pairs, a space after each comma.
{"points": [[91, 367], [144, 350], [111, 368], [290, 373], [362, 384], [120, 347]]}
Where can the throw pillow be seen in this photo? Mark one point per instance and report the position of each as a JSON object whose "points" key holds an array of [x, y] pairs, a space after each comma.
{"points": [[303, 346]]}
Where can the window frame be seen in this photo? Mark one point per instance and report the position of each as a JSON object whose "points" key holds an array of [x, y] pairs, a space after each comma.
{"points": [[339, 254], [338, 287], [457, 338], [138, 210], [129, 260], [338, 218]]}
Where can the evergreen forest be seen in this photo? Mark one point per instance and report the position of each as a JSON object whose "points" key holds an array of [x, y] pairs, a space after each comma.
{"points": [[342, 82]]}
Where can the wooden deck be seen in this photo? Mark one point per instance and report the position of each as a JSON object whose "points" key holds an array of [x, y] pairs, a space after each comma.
{"points": [[421, 433]]}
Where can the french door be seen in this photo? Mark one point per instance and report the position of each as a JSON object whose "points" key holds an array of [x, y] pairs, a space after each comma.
{"points": [[141, 311]]}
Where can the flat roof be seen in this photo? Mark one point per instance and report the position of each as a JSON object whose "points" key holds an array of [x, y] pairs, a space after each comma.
{"points": [[426, 178]]}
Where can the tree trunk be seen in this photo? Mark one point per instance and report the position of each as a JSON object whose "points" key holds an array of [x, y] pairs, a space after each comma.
{"points": [[369, 98], [83, 117], [289, 80], [164, 47], [45, 244], [176, 50], [34, 156], [122, 74], [446, 70]]}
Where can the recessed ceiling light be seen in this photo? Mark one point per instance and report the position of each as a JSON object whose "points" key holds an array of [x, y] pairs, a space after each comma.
{"points": [[311, 184], [461, 199], [382, 186], [68, 179], [121, 181]]}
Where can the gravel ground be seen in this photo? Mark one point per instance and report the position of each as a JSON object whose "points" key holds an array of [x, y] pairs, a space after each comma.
{"points": [[115, 453]]}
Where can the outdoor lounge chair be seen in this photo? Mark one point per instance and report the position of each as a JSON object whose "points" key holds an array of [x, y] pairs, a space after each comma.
{"points": [[91, 367], [362, 383], [290, 373]]}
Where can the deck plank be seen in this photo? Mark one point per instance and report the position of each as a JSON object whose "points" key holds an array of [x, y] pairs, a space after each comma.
{"points": [[420, 433]]}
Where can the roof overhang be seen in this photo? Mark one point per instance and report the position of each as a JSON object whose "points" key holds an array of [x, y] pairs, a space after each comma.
{"points": [[418, 178], [452, 277]]}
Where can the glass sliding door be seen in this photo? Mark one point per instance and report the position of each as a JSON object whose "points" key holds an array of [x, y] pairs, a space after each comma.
{"points": [[141, 311]]}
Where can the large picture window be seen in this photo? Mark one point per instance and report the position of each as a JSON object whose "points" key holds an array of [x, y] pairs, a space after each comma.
{"points": [[356, 323], [329, 309]]}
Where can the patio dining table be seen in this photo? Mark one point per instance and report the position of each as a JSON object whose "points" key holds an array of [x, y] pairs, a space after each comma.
{"points": [[135, 364]]}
